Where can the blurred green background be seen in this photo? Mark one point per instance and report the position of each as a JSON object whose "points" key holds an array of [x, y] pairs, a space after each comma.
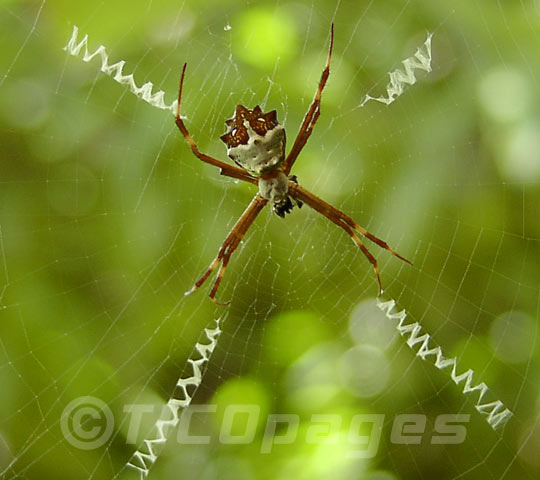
{"points": [[106, 219]]}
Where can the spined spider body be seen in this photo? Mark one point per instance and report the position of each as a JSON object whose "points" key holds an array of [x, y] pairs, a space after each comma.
{"points": [[256, 143]]}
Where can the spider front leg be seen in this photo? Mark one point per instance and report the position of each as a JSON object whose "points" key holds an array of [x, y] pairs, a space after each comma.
{"points": [[226, 169], [229, 246], [346, 223], [312, 115]]}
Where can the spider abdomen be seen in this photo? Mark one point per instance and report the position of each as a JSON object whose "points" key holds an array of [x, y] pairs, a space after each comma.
{"points": [[260, 154], [255, 140]]}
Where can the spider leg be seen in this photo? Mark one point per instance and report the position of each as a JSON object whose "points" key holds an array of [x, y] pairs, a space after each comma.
{"points": [[220, 275], [226, 169], [229, 246], [347, 223], [312, 115], [372, 237], [362, 247]]}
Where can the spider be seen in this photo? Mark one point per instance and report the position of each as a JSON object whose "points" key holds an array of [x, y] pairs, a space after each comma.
{"points": [[256, 143]]}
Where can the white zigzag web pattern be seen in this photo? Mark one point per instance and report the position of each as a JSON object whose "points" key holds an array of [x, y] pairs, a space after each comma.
{"points": [[497, 414], [145, 457], [399, 79], [145, 92]]}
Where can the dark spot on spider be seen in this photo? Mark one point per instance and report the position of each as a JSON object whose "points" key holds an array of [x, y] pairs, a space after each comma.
{"points": [[280, 209]]}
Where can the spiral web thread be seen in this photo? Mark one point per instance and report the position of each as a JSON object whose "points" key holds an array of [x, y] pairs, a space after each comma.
{"points": [[145, 457], [497, 414], [399, 79], [144, 92]]}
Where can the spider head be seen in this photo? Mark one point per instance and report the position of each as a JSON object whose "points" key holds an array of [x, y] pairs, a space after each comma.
{"points": [[255, 140]]}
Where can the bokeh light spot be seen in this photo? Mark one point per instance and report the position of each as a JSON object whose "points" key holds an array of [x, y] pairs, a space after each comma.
{"points": [[292, 333], [519, 161], [369, 325], [504, 94], [312, 381], [263, 36], [364, 370], [241, 391]]}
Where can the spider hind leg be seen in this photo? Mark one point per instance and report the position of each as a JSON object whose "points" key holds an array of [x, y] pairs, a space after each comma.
{"points": [[228, 247], [346, 223]]}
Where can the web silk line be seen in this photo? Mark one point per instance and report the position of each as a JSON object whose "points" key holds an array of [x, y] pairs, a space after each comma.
{"points": [[399, 79], [144, 92], [147, 454], [496, 413]]}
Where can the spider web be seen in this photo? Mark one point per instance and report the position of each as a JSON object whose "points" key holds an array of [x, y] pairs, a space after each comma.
{"points": [[107, 219]]}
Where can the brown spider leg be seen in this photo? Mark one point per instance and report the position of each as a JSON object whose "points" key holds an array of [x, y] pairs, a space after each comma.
{"points": [[372, 237], [339, 218], [229, 246], [220, 275], [362, 247], [312, 115], [226, 169]]}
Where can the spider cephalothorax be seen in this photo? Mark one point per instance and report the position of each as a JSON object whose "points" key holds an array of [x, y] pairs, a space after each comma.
{"points": [[256, 142]]}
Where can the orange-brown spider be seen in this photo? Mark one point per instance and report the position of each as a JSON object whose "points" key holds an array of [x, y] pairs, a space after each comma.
{"points": [[256, 142]]}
